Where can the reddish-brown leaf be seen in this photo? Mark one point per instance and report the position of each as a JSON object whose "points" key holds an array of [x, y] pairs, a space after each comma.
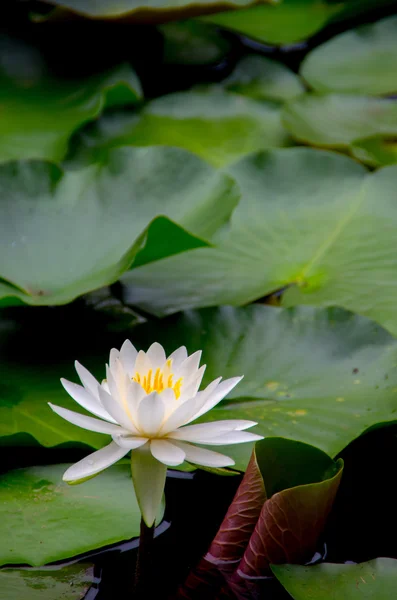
{"points": [[289, 527], [239, 523]]}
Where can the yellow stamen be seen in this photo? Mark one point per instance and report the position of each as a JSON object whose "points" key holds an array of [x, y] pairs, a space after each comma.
{"points": [[157, 383], [177, 388]]}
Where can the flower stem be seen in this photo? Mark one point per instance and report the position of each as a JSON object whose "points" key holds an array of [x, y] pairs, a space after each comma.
{"points": [[144, 565]]}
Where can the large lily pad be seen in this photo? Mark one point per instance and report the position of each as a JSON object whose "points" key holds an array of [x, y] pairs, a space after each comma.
{"points": [[40, 111], [291, 21], [218, 126], [64, 520], [314, 222], [65, 233], [336, 120], [264, 79], [279, 22], [316, 376], [373, 580], [65, 583], [140, 10], [360, 61]]}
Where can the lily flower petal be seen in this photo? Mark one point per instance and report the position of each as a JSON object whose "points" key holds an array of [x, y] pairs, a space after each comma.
{"points": [[167, 453], [95, 463], [203, 431], [204, 457], [128, 356], [233, 437], [86, 378], [129, 441], [177, 357], [86, 400], [222, 390], [148, 476], [117, 411], [87, 422], [156, 355], [151, 412]]}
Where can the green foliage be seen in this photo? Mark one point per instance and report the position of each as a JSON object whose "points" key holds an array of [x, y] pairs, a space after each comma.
{"points": [[63, 519], [373, 580], [313, 222], [83, 228], [41, 111], [66, 583]]}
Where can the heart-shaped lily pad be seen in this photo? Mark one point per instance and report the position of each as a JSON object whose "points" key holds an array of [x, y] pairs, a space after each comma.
{"points": [[65, 233], [313, 222]]}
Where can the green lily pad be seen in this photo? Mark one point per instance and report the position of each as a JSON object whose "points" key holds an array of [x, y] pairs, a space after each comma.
{"points": [[193, 43], [40, 111], [66, 233], [310, 221], [64, 520], [336, 120], [264, 79], [154, 10], [373, 580], [63, 583], [218, 126], [290, 21], [375, 151], [358, 61], [317, 376], [283, 22]]}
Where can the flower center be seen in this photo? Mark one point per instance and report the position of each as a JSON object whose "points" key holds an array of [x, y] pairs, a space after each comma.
{"points": [[160, 381]]}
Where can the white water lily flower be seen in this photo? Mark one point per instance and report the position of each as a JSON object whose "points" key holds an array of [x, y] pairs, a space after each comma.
{"points": [[146, 404]]}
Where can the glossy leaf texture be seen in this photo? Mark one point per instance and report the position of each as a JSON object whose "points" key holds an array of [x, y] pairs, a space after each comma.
{"points": [[64, 233], [318, 376], [70, 582], [373, 580], [40, 111], [218, 126], [313, 223], [358, 61], [63, 519]]}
